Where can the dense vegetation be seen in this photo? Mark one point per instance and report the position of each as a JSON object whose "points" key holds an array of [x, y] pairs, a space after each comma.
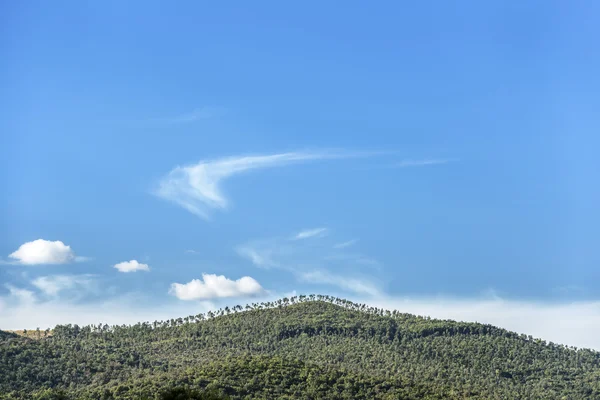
{"points": [[307, 347]]}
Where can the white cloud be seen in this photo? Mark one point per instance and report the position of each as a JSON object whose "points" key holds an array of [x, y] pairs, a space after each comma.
{"points": [[309, 233], [359, 286], [52, 285], [197, 188], [422, 163], [131, 266], [42, 251], [191, 251], [343, 245], [213, 286]]}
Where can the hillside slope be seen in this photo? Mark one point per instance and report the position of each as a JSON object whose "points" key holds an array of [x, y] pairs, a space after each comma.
{"points": [[308, 347]]}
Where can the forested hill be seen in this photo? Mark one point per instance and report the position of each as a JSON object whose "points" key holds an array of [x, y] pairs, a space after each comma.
{"points": [[306, 347], [7, 335]]}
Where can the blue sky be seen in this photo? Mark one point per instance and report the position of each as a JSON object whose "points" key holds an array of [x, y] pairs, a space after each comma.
{"points": [[436, 158]]}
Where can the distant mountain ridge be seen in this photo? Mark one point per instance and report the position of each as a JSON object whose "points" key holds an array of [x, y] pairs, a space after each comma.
{"points": [[301, 347]]}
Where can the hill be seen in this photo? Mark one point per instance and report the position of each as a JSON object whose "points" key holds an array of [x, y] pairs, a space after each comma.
{"points": [[307, 347], [7, 335], [33, 334]]}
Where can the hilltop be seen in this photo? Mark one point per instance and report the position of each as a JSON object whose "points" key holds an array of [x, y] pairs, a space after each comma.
{"points": [[306, 347], [31, 333]]}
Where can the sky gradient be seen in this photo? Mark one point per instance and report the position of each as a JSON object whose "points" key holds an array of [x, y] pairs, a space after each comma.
{"points": [[161, 159]]}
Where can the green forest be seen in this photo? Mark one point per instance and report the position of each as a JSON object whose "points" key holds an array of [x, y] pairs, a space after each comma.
{"points": [[304, 347]]}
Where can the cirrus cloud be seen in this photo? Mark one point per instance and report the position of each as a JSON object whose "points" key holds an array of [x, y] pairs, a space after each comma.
{"points": [[356, 285], [197, 187], [310, 233], [54, 284], [321, 262], [345, 244], [215, 286]]}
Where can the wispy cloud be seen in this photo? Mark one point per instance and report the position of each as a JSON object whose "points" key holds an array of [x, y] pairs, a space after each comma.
{"points": [[197, 187], [22, 296], [316, 262], [260, 256], [310, 233], [423, 162], [345, 244], [54, 284], [356, 285]]}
